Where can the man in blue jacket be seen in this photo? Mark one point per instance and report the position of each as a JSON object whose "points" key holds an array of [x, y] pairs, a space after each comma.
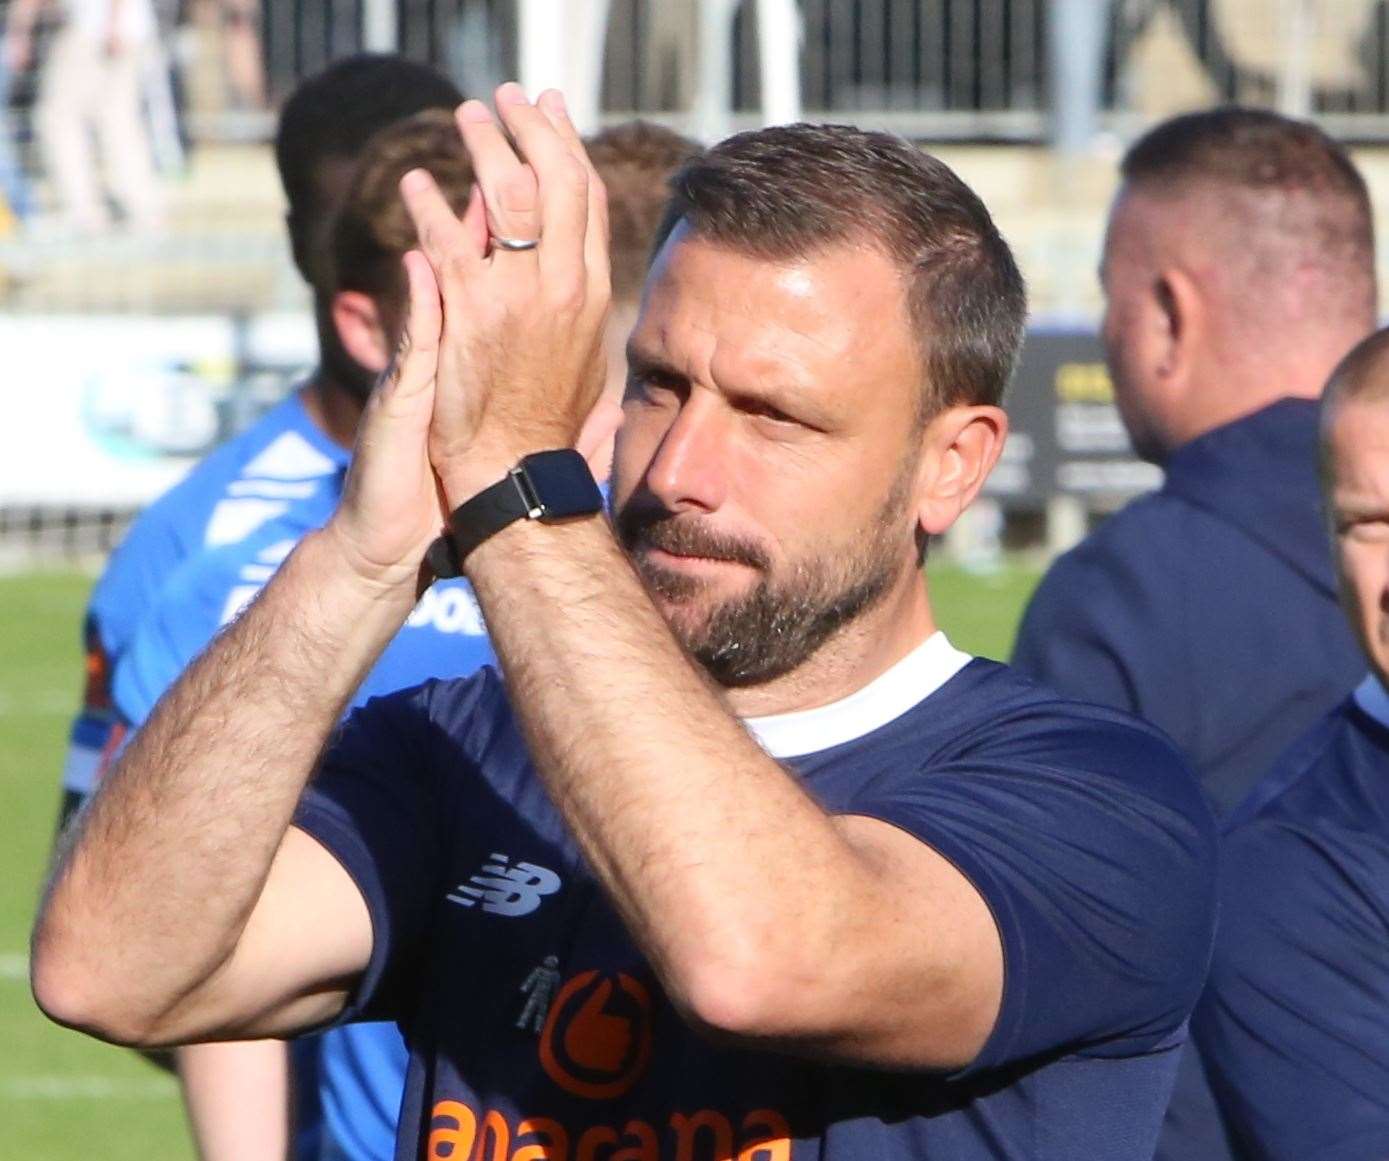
{"points": [[1238, 269], [1294, 1023]]}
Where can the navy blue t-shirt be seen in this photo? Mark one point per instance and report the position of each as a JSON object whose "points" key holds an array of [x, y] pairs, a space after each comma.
{"points": [[533, 1020], [1167, 610], [1294, 1025]]}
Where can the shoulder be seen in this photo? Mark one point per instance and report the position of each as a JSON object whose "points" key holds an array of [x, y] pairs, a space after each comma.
{"points": [[1021, 758], [1002, 711], [1314, 834], [1086, 834], [1304, 891], [183, 511], [1155, 529]]}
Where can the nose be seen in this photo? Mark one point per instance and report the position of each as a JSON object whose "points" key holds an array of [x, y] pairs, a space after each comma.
{"points": [[687, 472]]}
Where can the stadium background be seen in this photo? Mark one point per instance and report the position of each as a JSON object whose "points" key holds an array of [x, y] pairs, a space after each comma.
{"points": [[128, 354]]}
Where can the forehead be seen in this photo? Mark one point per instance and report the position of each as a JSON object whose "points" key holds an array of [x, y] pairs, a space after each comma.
{"points": [[709, 309], [1358, 440]]}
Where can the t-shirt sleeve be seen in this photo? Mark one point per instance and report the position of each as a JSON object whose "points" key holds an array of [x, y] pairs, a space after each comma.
{"points": [[377, 805], [1096, 855], [1294, 1026]]}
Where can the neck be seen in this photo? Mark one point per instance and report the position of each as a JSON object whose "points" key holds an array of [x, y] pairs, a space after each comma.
{"points": [[849, 660], [335, 409], [1245, 382]]}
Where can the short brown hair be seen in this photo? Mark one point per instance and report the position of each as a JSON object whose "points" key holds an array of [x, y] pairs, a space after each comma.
{"points": [[792, 190], [373, 230], [1322, 206], [636, 161]]}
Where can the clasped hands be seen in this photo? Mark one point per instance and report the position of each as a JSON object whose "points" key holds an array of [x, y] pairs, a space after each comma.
{"points": [[502, 350]]}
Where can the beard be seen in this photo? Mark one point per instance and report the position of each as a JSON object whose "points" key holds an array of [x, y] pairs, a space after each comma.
{"points": [[778, 623]]}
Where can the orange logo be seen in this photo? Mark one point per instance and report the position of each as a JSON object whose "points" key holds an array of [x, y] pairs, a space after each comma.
{"points": [[597, 1037]]}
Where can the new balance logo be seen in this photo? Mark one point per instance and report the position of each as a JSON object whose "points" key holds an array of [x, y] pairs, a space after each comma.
{"points": [[506, 890]]}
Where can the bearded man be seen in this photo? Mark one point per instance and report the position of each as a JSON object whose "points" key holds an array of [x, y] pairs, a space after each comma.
{"points": [[801, 879]]}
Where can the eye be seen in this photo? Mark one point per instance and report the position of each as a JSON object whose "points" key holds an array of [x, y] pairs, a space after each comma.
{"points": [[1372, 529], [652, 387], [764, 410]]}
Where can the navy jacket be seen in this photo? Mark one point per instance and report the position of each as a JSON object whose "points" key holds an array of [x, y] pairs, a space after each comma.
{"points": [[1208, 607], [1294, 1024]]}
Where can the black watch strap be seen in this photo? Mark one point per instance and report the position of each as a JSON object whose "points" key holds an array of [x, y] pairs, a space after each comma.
{"points": [[544, 485]]}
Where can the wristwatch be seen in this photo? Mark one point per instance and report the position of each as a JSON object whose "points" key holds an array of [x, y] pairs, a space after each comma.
{"points": [[548, 485]]}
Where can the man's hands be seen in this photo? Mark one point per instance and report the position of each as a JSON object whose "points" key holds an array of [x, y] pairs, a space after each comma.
{"points": [[502, 353], [390, 509], [521, 352]]}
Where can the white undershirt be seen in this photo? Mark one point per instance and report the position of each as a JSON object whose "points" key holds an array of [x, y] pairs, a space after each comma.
{"points": [[1371, 696], [884, 699]]}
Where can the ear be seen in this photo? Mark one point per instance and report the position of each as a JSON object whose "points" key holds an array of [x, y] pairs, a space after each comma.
{"points": [[359, 330], [959, 449], [1180, 322]]}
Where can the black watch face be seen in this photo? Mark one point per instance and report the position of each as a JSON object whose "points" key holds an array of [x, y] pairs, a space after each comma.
{"points": [[562, 483]]}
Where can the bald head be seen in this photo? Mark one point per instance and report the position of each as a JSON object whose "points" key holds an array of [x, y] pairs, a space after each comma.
{"points": [[1238, 270], [1269, 210], [1355, 479], [1361, 378]]}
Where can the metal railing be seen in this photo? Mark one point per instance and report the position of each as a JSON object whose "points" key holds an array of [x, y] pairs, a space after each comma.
{"points": [[933, 68]]}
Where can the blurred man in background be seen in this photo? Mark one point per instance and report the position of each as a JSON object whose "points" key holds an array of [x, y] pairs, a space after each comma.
{"points": [[1294, 1023], [362, 1067], [290, 459], [1238, 269], [91, 91]]}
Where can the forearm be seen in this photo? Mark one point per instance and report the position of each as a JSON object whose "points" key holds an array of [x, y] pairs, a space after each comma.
{"points": [[720, 863], [165, 865], [237, 1096]]}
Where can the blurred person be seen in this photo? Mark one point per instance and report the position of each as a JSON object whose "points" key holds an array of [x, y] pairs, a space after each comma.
{"points": [[90, 85], [360, 1070], [1294, 1023], [290, 460], [609, 914], [245, 57], [1238, 269], [363, 1066], [14, 182]]}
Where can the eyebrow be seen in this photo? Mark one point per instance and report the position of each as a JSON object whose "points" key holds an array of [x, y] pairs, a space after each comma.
{"points": [[645, 361], [787, 397]]}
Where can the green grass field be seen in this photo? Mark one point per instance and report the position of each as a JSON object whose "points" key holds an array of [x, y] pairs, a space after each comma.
{"points": [[64, 1097]]}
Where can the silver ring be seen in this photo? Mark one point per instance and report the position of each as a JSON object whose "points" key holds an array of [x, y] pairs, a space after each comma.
{"points": [[515, 244]]}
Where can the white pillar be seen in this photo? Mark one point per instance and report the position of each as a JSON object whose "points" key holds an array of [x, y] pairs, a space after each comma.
{"points": [[541, 28], [779, 33], [1075, 44], [714, 93], [561, 47], [1294, 84], [1067, 523], [585, 92], [379, 30]]}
